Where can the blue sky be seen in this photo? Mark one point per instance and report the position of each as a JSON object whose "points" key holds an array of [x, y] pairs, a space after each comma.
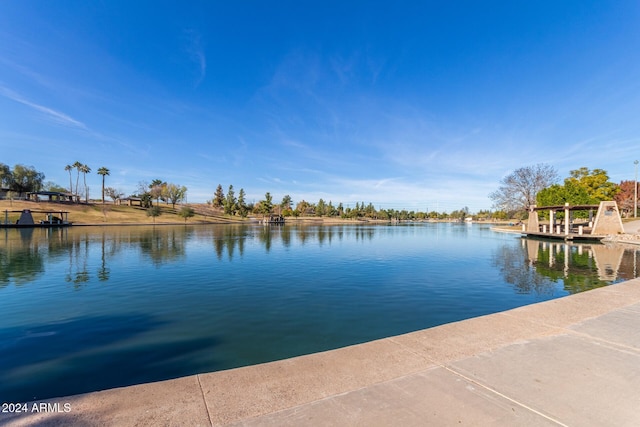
{"points": [[417, 105]]}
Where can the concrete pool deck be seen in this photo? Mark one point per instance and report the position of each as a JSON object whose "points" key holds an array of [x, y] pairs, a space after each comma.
{"points": [[572, 361]]}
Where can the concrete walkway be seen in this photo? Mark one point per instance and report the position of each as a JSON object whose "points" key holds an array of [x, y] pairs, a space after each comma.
{"points": [[573, 361], [632, 227]]}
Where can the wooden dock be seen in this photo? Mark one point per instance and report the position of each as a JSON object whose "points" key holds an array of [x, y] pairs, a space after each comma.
{"points": [[565, 237]]}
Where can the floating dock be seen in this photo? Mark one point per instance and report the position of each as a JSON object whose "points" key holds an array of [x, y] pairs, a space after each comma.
{"points": [[273, 219], [565, 237]]}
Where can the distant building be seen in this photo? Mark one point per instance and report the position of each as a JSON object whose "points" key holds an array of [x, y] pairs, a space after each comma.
{"points": [[131, 201], [51, 196]]}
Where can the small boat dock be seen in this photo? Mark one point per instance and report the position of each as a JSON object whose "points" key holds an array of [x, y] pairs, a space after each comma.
{"points": [[607, 221], [273, 219], [48, 218]]}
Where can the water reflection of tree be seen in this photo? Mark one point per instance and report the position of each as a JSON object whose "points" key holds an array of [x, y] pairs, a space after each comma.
{"points": [[78, 249], [21, 260], [162, 245], [324, 234], [79, 246], [285, 236], [303, 234], [363, 233], [103, 272], [229, 237], [534, 266], [518, 271], [265, 235], [576, 269]]}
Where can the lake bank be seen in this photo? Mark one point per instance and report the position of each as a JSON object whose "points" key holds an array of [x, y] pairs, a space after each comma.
{"points": [[109, 214]]}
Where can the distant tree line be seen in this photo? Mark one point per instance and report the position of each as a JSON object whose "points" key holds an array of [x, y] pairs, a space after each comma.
{"points": [[231, 205]]}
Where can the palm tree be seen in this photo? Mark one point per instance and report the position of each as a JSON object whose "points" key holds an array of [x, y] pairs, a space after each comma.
{"points": [[68, 169], [85, 170], [77, 166], [104, 172]]}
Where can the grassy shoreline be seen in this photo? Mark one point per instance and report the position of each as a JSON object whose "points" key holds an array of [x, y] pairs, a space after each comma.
{"points": [[109, 214]]}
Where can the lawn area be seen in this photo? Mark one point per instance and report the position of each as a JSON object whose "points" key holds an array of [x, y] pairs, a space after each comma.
{"points": [[97, 213]]}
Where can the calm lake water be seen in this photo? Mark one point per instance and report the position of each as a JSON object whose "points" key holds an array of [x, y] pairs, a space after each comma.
{"points": [[90, 308]]}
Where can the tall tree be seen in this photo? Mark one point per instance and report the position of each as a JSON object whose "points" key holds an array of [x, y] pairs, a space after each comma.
{"points": [[595, 182], [68, 168], [77, 165], [330, 210], [626, 197], [113, 193], [218, 197], [265, 206], [143, 192], [286, 202], [85, 170], [6, 176], [558, 195], [518, 190], [242, 206], [103, 172], [230, 202], [582, 187], [156, 189], [26, 179], [320, 208], [175, 193], [303, 207]]}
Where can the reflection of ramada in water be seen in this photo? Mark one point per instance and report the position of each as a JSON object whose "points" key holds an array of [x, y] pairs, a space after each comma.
{"points": [[569, 258]]}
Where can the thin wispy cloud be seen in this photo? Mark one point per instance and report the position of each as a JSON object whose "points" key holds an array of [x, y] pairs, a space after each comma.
{"points": [[49, 113], [27, 73], [197, 54]]}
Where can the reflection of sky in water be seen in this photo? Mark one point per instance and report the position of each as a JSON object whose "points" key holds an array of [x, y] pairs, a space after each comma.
{"points": [[90, 308]]}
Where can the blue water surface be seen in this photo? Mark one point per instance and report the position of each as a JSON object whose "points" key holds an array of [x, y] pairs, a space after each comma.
{"points": [[90, 308]]}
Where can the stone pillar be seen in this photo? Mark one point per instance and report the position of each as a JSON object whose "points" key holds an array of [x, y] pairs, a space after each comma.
{"points": [[608, 219], [532, 222], [567, 219]]}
